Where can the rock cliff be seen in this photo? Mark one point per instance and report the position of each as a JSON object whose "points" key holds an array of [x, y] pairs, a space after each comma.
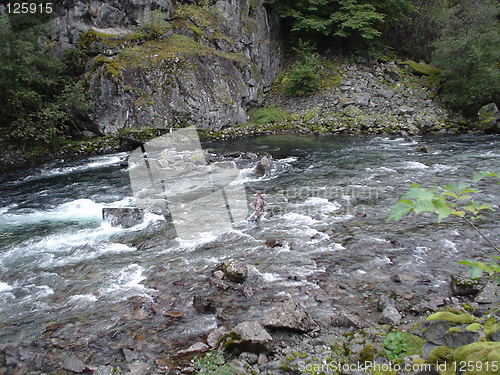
{"points": [[202, 64]]}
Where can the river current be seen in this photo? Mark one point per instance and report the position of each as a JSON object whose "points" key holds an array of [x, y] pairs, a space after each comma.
{"points": [[328, 200]]}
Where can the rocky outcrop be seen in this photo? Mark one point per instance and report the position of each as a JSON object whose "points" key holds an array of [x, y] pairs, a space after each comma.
{"points": [[197, 64], [379, 98]]}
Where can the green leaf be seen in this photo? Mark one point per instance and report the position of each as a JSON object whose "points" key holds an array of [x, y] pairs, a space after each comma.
{"points": [[475, 273], [399, 210], [441, 208], [458, 213], [478, 176], [424, 206]]}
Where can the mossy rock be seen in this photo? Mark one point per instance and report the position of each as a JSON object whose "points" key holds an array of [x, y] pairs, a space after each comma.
{"points": [[452, 317], [367, 353], [485, 353], [474, 327], [441, 354], [420, 68]]}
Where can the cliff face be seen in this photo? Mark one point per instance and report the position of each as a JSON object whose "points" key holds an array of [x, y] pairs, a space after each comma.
{"points": [[205, 65]]}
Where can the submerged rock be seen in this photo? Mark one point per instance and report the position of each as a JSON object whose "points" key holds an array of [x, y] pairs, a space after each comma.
{"points": [[490, 294], [233, 271], [125, 217], [204, 305], [290, 315], [425, 149]]}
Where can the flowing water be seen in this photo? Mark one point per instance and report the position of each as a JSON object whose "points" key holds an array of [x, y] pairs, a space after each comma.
{"points": [[328, 199]]}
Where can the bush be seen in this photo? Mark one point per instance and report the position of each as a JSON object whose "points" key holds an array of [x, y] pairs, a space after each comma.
{"points": [[302, 79], [268, 115]]}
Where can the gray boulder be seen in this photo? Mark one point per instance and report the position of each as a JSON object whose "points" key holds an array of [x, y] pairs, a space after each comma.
{"points": [[290, 315], [390, 315], [490, 294], [125, 217], [247, 337], [264, 166], [463, 286]]}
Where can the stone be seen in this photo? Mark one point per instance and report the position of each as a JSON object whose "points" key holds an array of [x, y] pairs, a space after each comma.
{"points": [[233, 271], [390, 315], [125, 217], [218, 275], [273, 243], [454, 339], [262, 360], [214, 337], [74, 364], [196, 348], [264, 166], [425, 149], [290, 315], [250, 358], [490, 294], [247, 336], [105, 370], [464, 286], [204, 305], [346, 320], [489, 118]]}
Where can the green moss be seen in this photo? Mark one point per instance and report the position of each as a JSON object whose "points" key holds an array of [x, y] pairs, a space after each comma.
{"points": [[421, 69], [268, 115], [453, 318], [485, 353], [367, 354], [491, 326], [90, 37], [474, 327], [441, 354]]}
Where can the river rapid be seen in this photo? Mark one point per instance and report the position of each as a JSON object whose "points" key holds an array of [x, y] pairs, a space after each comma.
{"points": [[328, 200]]}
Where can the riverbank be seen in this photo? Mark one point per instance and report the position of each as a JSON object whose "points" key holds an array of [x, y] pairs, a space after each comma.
{"points": [[12, 158]]}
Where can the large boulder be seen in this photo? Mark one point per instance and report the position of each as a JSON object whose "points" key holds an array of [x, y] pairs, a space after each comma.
{"points": [[125, 217], [247, 337], [489, 118], [290, 315]]}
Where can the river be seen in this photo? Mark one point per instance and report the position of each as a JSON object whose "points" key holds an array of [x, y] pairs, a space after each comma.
{"points": [[328, 200]]}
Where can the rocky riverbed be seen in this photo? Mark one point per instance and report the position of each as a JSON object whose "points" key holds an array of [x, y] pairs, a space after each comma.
{"points": [[324, 278]]}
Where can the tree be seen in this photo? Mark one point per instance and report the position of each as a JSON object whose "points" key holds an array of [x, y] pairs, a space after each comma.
{"points": [[37, 92], [352, 24], [468, 52]]}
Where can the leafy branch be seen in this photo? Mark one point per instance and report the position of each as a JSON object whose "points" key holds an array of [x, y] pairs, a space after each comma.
{"points": [[450, 200]]}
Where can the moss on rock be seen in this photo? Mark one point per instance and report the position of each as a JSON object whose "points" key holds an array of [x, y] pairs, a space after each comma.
{"points": [[441, 354], [484, 358], [453, 317]]}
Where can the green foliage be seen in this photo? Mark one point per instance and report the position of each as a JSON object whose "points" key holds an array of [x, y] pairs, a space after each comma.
{"points": [[268, 115], [436, 200], [401, 344], [38, 94], [476, 268], [213, 363], [355, 23], [421, 69], [302, 78], [468, 52]]}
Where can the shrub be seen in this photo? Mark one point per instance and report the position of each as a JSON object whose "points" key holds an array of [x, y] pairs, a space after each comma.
{"points": [[303, 79], [268, 115]]}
